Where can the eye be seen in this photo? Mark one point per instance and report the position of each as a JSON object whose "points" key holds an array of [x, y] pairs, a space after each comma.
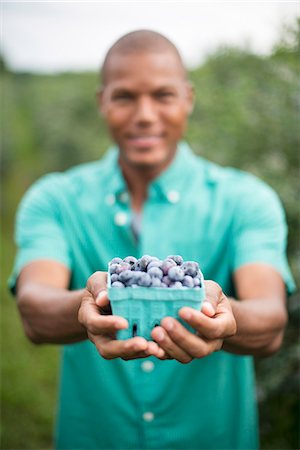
{"points": [[122, 96], [165, 95]]}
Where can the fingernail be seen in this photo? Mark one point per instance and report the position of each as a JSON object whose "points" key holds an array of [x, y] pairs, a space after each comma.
{"points": [[209, 307], [100, 297], [186, 315], [120, 325], [159, 335], [168, 325]]}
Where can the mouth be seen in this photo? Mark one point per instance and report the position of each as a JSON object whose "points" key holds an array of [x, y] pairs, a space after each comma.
{"points": [[141, 141]]}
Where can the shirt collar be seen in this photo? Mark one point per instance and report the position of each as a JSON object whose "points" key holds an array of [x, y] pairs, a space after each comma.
{"points": [[170, 184], [114, 180]]}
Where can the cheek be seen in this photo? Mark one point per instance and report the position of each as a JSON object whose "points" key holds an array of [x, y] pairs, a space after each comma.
{"points": [[175, 119], [116, 120]]}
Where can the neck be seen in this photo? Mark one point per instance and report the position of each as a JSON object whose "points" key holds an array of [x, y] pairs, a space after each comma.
{"points": [[138, 180]]}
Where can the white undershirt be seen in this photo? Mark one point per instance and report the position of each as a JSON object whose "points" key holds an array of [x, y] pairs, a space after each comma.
{"points": [[136, 224]]}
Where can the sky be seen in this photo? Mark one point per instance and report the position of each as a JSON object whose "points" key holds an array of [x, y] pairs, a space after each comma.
{"points": [[54, 36]]}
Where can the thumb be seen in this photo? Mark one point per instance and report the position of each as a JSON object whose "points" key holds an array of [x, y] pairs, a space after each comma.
{"points": [[97, 286], [213, 296]]}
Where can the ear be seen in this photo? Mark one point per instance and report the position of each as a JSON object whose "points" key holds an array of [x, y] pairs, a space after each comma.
{"points": [[100, 101], [190, 97]]}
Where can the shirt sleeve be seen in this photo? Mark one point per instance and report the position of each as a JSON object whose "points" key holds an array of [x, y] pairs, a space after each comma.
{"points": [[260, 230], [39, 231]]}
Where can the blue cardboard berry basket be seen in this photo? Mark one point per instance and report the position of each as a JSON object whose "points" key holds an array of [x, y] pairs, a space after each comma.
{"points": [[145, 307]]}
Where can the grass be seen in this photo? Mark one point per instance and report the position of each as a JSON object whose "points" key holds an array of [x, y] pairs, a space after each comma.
{"points": [[29, 376]]}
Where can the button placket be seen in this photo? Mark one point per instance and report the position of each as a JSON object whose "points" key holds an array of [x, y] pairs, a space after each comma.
{"points": [[121, 218], [148, 416], [173, 196], [147, 366], [110, 199], [124, 197]]}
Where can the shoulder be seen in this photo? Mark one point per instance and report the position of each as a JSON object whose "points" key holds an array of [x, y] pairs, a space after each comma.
{"points": [[59, 185], [239, 185], [240, 193]]}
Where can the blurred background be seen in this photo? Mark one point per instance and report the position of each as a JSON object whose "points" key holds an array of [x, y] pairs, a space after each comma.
{"points": [[243, 59]]}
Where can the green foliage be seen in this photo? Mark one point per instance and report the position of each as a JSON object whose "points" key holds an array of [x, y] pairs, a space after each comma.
{"points": [[246, 115]]}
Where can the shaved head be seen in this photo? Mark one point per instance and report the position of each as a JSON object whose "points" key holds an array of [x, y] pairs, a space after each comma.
{"points": [[140, 41]]}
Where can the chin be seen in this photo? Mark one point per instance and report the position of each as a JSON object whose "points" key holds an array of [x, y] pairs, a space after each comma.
{"points": [[148, 158]]}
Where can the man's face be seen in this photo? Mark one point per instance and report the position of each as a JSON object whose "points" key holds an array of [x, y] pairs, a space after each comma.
{"points": [[145, 102]]}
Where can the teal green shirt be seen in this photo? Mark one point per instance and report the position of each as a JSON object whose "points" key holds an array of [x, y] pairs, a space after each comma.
{"points": [[222, 218]]}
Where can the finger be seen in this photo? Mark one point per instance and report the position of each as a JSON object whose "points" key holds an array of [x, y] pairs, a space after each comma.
{"points": [[213, 293], [218, 327], [128, 349], [97, 286], [134, 348], [102, 300], [152, 350], [173, 350], [193, 345], [208, 309], [156, 351], [152, 347], [95, 323]]}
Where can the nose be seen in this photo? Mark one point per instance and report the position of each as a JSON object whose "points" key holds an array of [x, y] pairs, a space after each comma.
{"points": [[145, 112]]}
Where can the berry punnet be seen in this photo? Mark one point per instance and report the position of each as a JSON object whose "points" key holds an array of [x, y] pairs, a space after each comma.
{"points": [[147, 289], [149, 271]]}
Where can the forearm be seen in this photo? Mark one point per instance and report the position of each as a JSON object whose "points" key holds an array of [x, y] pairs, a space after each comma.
{"points": [[260, 327], [50, 315]]}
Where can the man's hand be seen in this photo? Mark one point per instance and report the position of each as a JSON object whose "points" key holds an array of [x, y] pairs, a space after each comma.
{"points": [[96, 316], [213, 324]]}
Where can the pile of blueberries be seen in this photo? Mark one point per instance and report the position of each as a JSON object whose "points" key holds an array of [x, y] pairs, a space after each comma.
{"points": [[149, 271]]}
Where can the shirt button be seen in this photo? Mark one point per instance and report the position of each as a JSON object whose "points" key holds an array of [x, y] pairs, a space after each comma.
{"points": [[148, 416], [147, 366], [124, 197], [173, 196], [110, 199], [120, 219]]}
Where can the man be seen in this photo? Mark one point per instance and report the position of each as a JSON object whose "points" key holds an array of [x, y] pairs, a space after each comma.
{"points": [[151, 195]]}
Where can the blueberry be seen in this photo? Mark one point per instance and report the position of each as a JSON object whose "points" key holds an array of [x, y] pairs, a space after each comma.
{"points": [[197, 281], [188, 281], [122, 267], [130, 260], [125, 276], [176, 285], [167, 264], [166, 280], [190, 268], [144, 280], [137, 275], [142, 263], [176, 274], [153, 258], [155, 263], [113, 268], [177, 258], [155, 282], [155, 272], [134, 278], [116, 261], [117, 284], [163, 285], [114, 277]]}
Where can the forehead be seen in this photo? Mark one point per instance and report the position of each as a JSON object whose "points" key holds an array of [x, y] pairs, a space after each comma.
{"points": [[135, 68]]}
